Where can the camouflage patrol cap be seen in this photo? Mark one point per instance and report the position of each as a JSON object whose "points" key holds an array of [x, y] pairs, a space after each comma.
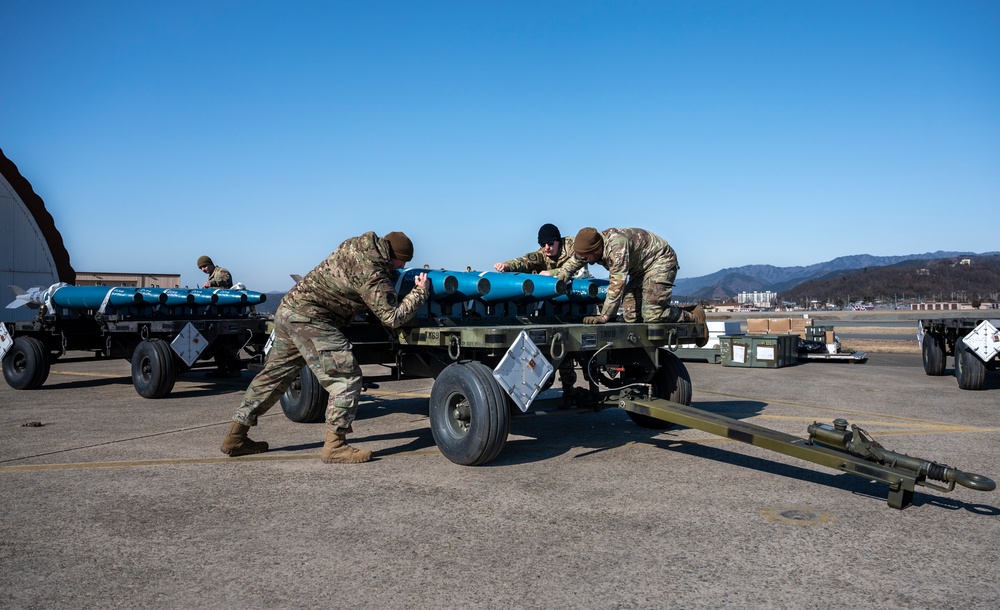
{"points": [[548, 233], [588, 241], [402, 247], [204, 260]]}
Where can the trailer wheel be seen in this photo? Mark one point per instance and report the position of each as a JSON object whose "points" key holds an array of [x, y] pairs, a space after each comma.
{"points": [[969, 370], [932, 348], [26, 365], [305, 400], [470, 418], [153, 369], [672, 382]]}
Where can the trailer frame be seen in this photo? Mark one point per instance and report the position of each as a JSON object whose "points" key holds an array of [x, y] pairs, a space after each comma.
{"points": [[943, 337]]}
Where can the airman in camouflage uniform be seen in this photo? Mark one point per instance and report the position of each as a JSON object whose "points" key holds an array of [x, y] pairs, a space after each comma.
{"points": [[218, 277], [554, 252], [356, 276], [642, 268], [226, 355]]}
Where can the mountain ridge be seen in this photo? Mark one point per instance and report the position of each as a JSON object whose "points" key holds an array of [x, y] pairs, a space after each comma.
{"points": [[728, 282], [818, 279]]}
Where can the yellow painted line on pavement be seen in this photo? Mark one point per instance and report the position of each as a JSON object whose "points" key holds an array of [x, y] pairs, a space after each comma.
{"points": [[389, 453], [381, 393], [880, 434], [931, 427], [187, 461], [79, 374], [896, 418], [134, 463], [936, 426], [928, 427]]}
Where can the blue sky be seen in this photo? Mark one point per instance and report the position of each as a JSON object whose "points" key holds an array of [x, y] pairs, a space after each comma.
{"points": [[265, 133]]}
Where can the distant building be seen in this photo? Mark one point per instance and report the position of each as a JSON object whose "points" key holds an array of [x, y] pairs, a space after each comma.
{"points": [[761, 300], [933, 306], [725, 307], [130, 280]]}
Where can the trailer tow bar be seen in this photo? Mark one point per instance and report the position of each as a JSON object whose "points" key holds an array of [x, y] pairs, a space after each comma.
{"points": [[850, 450]]}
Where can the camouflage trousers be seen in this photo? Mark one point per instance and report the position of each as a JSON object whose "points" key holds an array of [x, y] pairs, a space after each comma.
{"points": [[647, 297], [299, 341]]}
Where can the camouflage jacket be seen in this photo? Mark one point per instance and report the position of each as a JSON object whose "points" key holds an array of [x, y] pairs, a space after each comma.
{"points": [[220, 278], [356, 276], [628, 253], [536, 262]]}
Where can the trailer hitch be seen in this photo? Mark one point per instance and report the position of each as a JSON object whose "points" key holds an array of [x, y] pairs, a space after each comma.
{"points": [[852, 451], [858, 442]]}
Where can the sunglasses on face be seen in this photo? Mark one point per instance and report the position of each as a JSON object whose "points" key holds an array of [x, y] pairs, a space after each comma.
{"points": [[548, 243]]}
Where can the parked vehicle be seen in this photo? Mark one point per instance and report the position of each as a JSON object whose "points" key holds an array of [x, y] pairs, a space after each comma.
{"points": [[974, 343]]}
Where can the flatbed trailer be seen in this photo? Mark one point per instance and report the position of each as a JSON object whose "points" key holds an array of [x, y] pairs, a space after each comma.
{"points": [[973, 342], [858, 357], [161, 336], [713, 355], [611, 355]]}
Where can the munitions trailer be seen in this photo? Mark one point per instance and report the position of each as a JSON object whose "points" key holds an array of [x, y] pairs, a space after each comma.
{"points": [[491, 363], [161, 332], [974, 343], [485, 371]]}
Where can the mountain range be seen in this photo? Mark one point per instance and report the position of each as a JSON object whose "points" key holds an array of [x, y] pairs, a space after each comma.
{"points": [[727, 283], [822, 279]]}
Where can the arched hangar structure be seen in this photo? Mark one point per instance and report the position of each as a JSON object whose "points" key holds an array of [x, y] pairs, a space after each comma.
{"points": [[31, 249]]}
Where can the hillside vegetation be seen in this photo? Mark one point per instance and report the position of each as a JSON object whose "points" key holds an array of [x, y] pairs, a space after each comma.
{"points": [[930, 277], [730, 281], [921, 280]]}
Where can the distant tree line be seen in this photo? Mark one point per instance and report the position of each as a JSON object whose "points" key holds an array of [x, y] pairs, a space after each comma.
{"points": [[965, 280]]}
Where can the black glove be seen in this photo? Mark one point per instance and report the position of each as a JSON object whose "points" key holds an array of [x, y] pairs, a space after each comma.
{"points": [[594, 320]]}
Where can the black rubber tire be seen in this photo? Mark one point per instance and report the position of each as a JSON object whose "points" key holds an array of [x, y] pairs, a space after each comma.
{"points": [[26, 365], [305, 401], [932, 348], [672, 382], [153, 369], [469, 413], [969, 370], [505, 408]]}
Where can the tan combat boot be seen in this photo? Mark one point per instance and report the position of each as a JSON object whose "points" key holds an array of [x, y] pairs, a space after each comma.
{"points": [[337, 451], [236, 442], [697, 315]]}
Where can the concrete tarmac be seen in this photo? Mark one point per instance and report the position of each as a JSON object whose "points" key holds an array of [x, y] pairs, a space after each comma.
{"points": [[109, 500]]}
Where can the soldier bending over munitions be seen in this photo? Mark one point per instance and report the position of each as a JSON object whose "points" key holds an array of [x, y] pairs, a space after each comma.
{"points": [[554, 251], [642, 268], [356, 276]]}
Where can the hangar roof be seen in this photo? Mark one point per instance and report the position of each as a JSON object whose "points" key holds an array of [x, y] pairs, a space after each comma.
{"points": [[42, 217]]}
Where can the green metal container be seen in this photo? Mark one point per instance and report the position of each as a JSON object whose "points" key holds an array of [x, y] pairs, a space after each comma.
{"points": [[817, 333], [759, 351]]}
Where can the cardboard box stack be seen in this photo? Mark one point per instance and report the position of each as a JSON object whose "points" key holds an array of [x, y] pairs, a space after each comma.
{"points": [[778, 326], [798, 326]]}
